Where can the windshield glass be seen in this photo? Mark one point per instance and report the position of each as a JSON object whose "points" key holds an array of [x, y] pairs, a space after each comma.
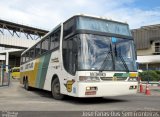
{"points": [[124, 54], [105, 53]]}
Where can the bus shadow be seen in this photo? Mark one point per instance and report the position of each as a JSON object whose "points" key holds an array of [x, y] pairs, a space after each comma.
{"points": [[76, 100], [97, 100], [39, 92], [42, 93]]}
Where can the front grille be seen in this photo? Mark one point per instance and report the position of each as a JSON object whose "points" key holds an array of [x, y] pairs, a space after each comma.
{"points": [[113, 78], [106, 78]]}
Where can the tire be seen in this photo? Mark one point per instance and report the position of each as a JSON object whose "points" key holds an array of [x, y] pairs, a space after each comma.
{"points": [[55, 88], [26, 85]]}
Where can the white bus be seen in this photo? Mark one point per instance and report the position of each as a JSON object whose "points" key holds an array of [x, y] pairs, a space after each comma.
{"points": [[85, 56]]}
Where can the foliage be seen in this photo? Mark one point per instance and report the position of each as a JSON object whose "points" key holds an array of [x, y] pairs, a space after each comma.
{"points": [[150, 75]]}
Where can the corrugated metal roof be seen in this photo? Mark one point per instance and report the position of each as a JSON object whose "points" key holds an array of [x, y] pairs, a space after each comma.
{"points": [[145, 35]]}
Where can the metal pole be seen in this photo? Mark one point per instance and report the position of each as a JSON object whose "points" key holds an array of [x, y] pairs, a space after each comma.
{"points": [[1, 75], [147, 72], [7, 67], [147, 66]]}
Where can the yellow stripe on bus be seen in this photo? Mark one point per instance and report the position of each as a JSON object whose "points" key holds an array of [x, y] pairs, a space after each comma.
{"points": [[32, 75]]}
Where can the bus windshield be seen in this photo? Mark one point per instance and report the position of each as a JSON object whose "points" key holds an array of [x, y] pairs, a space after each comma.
{"points": [[105, 53]]}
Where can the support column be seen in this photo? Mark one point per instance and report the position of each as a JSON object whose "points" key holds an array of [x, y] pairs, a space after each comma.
{"points": [[146, 66], [1, 75], [7, 61]]}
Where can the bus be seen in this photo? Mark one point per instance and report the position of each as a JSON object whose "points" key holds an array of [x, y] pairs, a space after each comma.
{"points": [[85, 56], [15, 72]]}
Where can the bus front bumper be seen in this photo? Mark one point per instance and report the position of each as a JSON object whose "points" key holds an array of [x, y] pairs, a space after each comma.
{"points": [[108, 88]]}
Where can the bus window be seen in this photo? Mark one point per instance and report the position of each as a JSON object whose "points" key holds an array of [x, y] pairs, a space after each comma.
{"points": [[27, 56], [15, 70], [45, 45], [31, 54], [55, 40], [23, 59], [69, 28], [70, 55], [38, 49]]}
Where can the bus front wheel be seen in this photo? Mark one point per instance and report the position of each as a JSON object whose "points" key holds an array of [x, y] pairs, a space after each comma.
{"points": [[56, 90]]}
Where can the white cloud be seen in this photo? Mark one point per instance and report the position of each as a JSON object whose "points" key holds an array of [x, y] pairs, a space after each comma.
{"points": [[49, 13]]}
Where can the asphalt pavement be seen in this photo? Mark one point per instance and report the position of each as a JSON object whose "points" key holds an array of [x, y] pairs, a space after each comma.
{"points": [[16, 98]]}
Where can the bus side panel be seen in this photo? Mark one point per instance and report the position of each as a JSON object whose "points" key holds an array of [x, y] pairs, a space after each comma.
{"points": [[53, 69], [33, 73], [37, 73], [42, 71], [68, 86], [30, 73]]}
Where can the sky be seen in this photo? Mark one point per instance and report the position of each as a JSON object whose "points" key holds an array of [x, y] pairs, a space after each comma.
{"points": [[46, 14]]}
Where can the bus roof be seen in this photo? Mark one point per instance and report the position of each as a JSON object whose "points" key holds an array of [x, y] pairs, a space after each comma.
{"points": [[96, 17], [78, 15]]}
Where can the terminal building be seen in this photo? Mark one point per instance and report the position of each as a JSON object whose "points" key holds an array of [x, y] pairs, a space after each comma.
{"points": [[147, 40]]}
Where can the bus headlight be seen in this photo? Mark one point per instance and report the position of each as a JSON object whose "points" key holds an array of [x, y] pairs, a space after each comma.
{"points": [[88, 78]]}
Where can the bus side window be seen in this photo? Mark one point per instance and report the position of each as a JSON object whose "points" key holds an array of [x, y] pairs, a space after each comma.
{"points": [[38, 49], [70, 55], [31, 54], [55, 40], [52, 42], [45, 45], [27, 56], [22, 59]]}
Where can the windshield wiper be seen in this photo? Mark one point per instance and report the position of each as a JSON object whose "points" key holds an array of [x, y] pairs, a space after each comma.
{"points": [[124, 63], [107, 56], [122, 59]]}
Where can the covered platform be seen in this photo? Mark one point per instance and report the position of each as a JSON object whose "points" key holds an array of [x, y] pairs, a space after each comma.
{"points": [[150, 62], [11, 57]]}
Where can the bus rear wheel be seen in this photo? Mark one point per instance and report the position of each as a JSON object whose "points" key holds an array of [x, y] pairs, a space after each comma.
{"points": [[26, 85], [56, 90]]}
